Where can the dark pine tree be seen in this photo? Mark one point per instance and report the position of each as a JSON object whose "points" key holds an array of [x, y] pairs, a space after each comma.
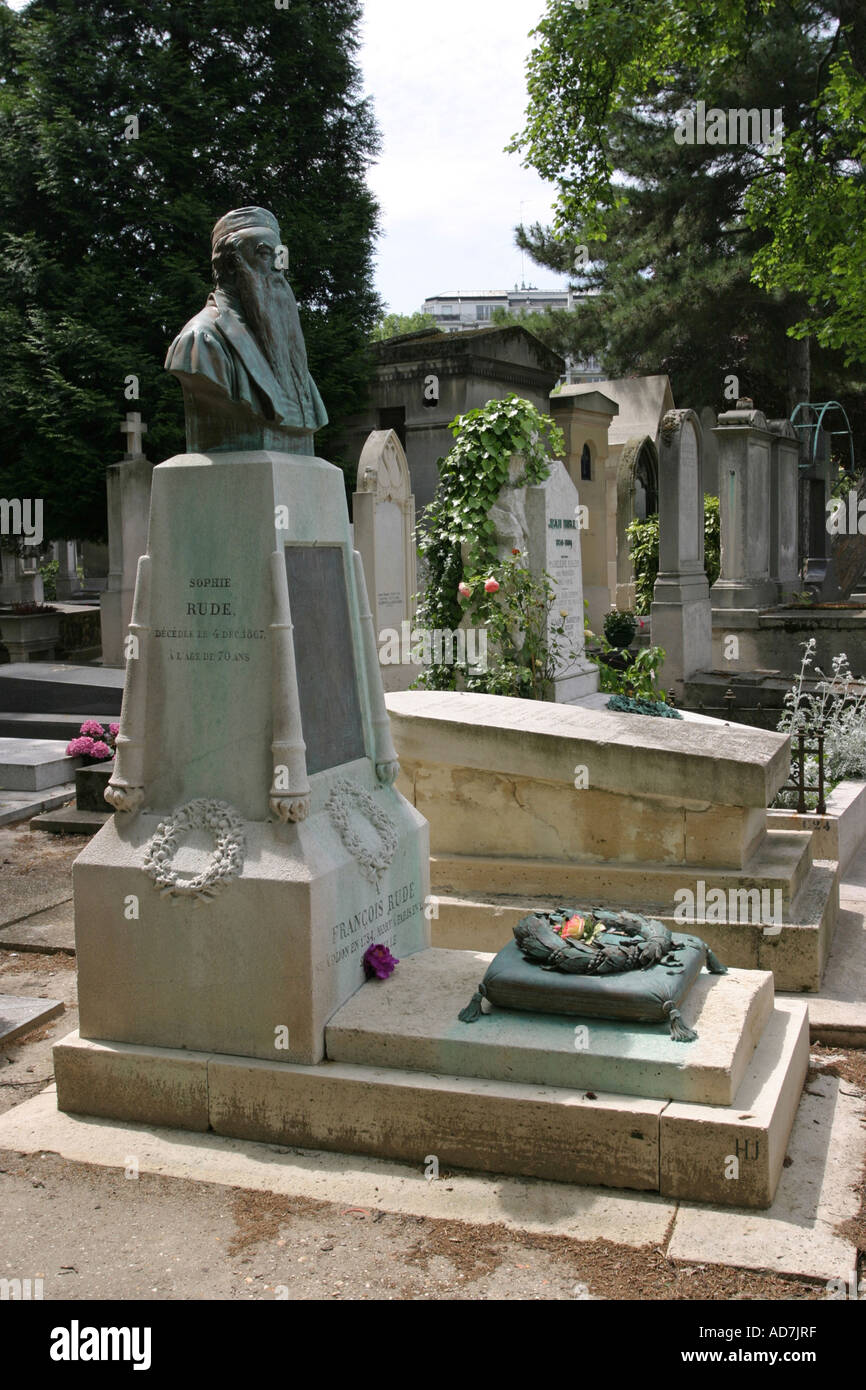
{"points": [[105, 239]]}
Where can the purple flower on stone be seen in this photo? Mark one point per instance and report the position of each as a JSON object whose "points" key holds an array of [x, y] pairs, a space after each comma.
{"points": [[379, 962], [101, 751], [92, 729]]}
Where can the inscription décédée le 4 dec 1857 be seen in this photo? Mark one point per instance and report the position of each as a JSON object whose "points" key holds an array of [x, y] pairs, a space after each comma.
{"points": [[215, 610]]}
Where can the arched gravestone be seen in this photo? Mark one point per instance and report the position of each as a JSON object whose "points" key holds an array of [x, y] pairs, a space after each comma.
{"points": [[681, 615], [383, 511]]}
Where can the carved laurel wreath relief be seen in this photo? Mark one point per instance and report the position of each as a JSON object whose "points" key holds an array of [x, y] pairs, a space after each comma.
{"points": [[218, 819], [366, 830]]}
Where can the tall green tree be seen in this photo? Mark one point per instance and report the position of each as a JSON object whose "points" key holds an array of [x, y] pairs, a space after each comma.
{"points": [[126, 129], [681, 236]]}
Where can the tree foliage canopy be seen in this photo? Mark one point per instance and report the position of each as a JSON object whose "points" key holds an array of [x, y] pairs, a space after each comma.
{"points": [[605, 77], [105, 239]]}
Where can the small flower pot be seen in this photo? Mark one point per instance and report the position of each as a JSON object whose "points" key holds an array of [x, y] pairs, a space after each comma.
{"points": [[90, 783]]}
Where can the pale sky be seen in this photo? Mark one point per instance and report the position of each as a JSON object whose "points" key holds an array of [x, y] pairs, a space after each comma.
{"points": [[447, 80], [449, 90]]}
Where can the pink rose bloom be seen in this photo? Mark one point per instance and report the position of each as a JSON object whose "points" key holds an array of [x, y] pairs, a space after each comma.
{"points": [[92, 728], [491, 586], [80, 748], [114, 730], [101, 750], [464, 589]]}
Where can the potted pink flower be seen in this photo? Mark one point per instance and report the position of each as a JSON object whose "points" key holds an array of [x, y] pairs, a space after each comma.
{"points": [[95, 744]]}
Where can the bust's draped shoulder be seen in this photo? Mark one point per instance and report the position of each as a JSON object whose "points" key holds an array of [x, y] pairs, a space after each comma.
{"points": [[200, 350]]}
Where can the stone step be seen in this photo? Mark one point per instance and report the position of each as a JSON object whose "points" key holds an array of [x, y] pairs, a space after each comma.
{"points": [[19, 724], [677, 1148], [34, 764], [781, 862], [49, 687], [796, 954], [70, 821], [20, 1014], [412, 1024], [20, 806]]}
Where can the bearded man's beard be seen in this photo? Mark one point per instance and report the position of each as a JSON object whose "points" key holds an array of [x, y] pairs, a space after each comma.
{"points": [[265, 302]]}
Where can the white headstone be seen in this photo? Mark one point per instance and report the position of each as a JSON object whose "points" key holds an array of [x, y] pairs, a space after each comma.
{"points": [[553, 529], [383, 509]]}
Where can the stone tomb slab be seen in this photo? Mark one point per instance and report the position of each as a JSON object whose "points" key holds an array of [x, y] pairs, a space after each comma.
{"points": [[19, 1014], [410, 1022], [32, 764]]}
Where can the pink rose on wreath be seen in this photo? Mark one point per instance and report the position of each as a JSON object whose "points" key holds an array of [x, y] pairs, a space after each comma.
{"points": [[491, 586], [464, 589], [379, 962]]}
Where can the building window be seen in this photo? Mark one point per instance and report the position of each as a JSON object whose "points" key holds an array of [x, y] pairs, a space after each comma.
{"points": [[483, 311], [585, 465]]}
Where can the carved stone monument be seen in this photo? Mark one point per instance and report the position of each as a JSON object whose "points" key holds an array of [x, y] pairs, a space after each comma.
{"points": [[258, 846]]}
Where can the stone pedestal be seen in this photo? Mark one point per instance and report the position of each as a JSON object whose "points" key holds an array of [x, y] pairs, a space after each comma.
{"points": [[744, 444], [128, 487], [229, 908], [681, 615], [784, 518]]}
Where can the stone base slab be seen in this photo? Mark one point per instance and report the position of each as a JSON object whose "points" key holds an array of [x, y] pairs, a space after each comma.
{"points": [[411, 1023], [570, 1136]]}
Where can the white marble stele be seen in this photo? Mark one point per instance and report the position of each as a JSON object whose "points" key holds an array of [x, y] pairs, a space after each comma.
{"points": [[258, 846], [543, 522]]}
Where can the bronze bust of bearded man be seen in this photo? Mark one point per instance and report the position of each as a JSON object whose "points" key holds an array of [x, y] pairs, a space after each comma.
{"points": [[241, 362]]}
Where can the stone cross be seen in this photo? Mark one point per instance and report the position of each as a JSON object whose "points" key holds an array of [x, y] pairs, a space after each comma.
{"points": [[134, 430]]}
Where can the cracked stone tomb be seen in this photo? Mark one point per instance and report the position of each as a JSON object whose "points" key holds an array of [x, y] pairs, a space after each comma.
{"points": [[258, 846]]}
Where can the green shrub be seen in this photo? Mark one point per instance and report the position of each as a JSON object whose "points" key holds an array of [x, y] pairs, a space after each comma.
{"points": [[619, 628]]}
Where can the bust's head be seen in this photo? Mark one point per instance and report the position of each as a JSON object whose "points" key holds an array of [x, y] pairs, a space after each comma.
{"points": [[247, 257], [247, 239]]}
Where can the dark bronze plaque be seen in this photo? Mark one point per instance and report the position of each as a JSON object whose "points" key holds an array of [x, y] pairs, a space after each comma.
{"points": [[324, 656]]}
